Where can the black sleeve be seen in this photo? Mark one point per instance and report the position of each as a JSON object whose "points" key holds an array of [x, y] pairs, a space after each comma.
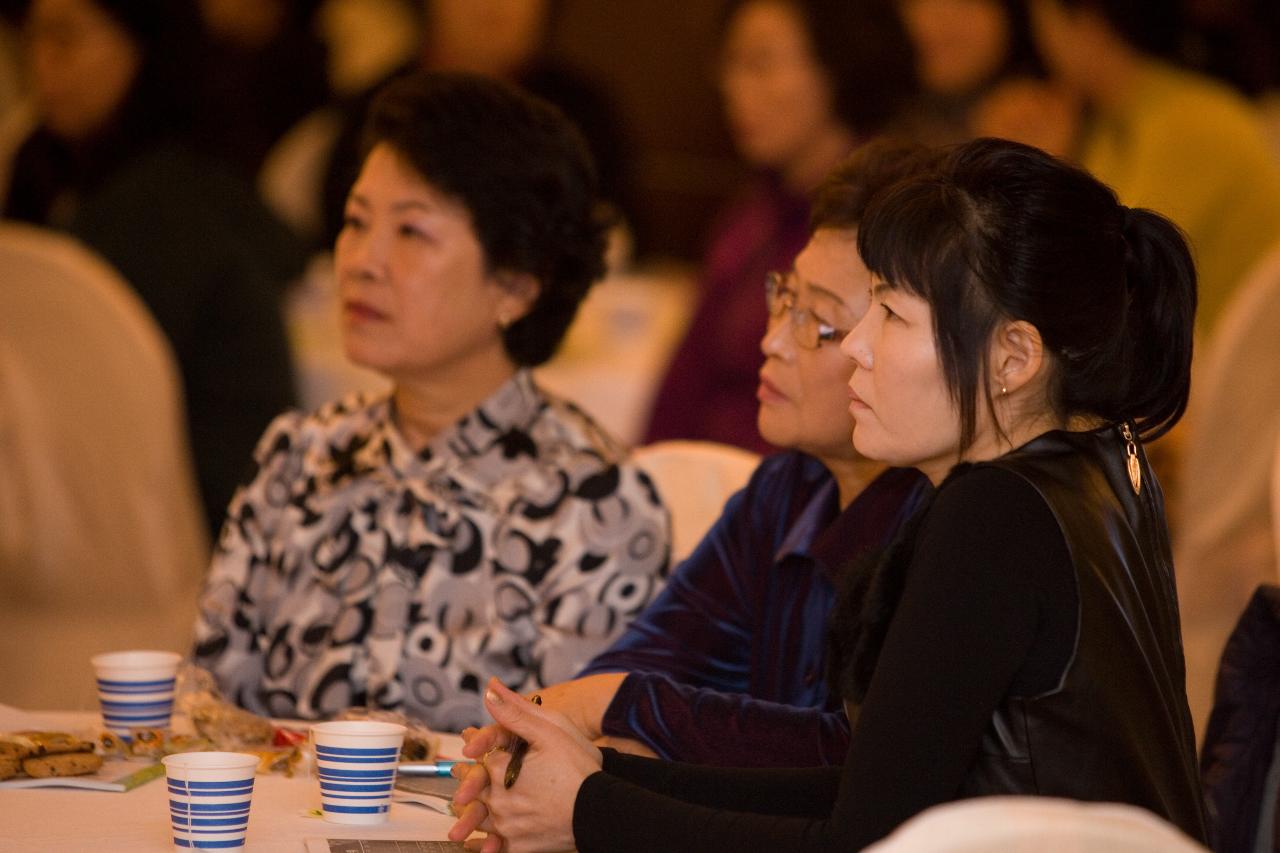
{"points": [[987, 610]]}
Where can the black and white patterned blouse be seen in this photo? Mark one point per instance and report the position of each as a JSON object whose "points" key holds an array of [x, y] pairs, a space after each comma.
{"points": [[355, 571]]}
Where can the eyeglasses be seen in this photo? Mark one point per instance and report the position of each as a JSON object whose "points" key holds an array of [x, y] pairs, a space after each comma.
{"points": [[808, 331]]}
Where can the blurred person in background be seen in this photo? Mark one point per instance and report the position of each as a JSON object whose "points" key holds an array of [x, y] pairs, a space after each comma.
{"points": [[267, 69], [506, 40], [467, 524], [1164, 137], [982, 76], [111, 162], [803, 82], [963, 49]]}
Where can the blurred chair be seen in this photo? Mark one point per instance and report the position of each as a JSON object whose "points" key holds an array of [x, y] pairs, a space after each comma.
{"points": [[1035, 825], [1224, 540], [615, 353], [291, 180], [102, 543], [695, 478]]}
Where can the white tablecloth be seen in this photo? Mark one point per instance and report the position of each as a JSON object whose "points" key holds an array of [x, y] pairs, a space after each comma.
{"points": [[68, 820]]}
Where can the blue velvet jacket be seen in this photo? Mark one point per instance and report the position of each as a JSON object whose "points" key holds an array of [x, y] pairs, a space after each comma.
{"points": [[727, 664]]}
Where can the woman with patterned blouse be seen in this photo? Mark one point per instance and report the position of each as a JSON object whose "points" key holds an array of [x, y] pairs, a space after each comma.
{"points": [[398, 551]]}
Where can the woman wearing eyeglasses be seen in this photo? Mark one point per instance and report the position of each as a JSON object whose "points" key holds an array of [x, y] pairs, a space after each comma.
{"points": [[726, 666], [1021, 637]]}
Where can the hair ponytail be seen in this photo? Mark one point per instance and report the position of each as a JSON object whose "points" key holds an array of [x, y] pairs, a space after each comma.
{"points": [[1002, 230], [1161, 282]]}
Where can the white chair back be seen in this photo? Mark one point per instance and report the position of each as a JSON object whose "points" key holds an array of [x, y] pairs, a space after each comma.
{"points": [[102, 542], [695, 478], [1223, 533], [1035, 825], [291, 180]]}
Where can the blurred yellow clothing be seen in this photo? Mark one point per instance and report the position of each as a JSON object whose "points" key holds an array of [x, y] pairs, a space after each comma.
{"points": [[1195, 151]]}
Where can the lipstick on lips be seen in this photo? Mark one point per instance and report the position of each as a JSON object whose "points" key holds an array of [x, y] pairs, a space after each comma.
{"points": [[354, 309], [768, 392]]}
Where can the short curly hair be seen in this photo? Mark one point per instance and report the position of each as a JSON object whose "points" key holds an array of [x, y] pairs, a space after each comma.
{"points": [[522, 171]]}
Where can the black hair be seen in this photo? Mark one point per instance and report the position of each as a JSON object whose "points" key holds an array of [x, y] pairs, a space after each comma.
{"points": [[843, 196], [1004, 231], [863, 47], [166, 90], [523, 173], [1151, 26]]}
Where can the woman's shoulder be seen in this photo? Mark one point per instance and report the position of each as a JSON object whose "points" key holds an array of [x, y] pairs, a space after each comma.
{"points": [[985, 490], [562, 421], [338, 421], [1191, 113], [788, 472]]}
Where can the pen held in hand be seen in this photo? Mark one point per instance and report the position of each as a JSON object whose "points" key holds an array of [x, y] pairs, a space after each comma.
{"points": [[430, 768], [519, 746]]}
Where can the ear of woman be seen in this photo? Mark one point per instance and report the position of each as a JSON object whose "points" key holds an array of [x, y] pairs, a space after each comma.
{"points": [[519, 292], [1017, 357]]}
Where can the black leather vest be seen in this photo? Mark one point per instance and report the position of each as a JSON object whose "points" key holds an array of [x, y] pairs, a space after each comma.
{"points": [[1117, 727]]}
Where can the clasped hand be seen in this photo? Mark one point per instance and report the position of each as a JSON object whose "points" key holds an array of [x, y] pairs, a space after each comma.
{"points": [[534, 815]]}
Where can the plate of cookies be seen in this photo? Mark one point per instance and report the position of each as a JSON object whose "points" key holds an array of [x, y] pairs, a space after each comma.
{"points": [[36, 759]]}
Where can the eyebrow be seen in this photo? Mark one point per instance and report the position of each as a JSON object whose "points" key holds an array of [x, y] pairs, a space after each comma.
{"points": [[880, 287], [398, 206], [822, 291]]}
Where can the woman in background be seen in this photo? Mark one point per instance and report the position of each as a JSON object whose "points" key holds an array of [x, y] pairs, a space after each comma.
{"points": [[116, 86], [398, 551], [803, 82], [1027, 332], [981, 75]]}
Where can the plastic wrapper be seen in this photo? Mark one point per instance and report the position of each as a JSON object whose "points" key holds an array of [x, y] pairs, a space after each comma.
{"points": [[279, 747]]}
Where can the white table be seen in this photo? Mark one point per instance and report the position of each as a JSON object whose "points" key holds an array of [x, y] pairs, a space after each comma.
{"points": [[69, 820]]}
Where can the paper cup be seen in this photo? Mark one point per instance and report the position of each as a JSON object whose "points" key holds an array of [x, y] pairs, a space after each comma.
{"points": [[356, 762], [209, 795], [136, 689]]}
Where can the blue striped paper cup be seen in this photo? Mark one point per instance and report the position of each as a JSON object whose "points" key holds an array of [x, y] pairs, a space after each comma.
{"points": [[209, 795], [356, 762], [135, 689]]}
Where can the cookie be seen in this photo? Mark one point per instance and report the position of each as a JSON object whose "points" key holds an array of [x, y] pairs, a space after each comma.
{"points": [[13, 747], [62, 764], [146, 743], [9, 767], [112, 745], [52, 743]]}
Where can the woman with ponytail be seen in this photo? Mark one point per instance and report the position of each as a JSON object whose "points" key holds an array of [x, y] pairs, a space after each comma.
{"points": [[1021, 636]]}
